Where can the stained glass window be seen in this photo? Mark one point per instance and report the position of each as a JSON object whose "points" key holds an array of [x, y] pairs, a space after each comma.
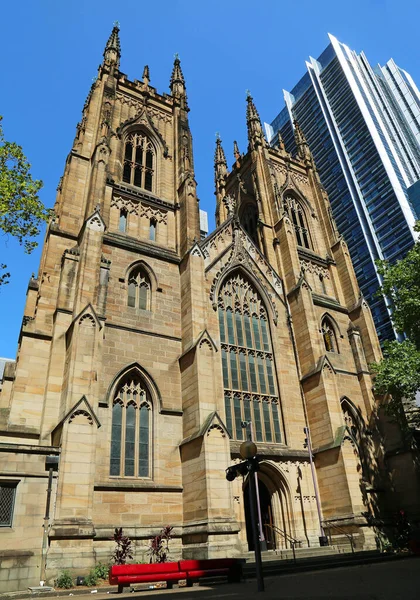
{"points": [[247, 362], [328, 333], [130, 430]]}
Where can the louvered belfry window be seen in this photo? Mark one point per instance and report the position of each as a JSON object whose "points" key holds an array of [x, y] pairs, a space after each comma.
{"points": [[139, 161], [297, 216], [130, 433], [249, 378]]}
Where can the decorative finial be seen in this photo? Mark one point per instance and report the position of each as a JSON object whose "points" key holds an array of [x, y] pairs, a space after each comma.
{"points": [[176, 56], [112, 51], [218, 138], [116, 24], [248, 94], [230, 203], [146, 75]]}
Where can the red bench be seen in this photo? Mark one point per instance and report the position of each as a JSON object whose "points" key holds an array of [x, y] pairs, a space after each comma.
{"points": [[195, 569], [190, 570]]}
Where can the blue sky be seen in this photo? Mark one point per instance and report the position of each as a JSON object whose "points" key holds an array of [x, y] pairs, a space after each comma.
{"points": [[51, 51]]}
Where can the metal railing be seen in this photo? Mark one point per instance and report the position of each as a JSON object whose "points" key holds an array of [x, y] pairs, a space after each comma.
{"points": [[292, 541], [330, 525]]}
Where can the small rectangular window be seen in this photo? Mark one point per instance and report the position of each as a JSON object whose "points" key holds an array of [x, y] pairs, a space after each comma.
{"points": [[7, 502], [122, 225], [152, 231]]}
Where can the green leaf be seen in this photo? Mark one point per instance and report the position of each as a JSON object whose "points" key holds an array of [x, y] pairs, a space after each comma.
{"points": [[21, 211]]}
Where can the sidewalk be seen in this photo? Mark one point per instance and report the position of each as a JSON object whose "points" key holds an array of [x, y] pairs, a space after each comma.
{"points": [[399, 580]]}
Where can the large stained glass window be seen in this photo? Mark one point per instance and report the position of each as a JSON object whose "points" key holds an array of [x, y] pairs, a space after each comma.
{"points": [[247, 362], [130, 432]]}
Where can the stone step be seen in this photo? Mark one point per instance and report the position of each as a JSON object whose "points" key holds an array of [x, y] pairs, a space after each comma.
{"points": [[280, 566], [300, 553]]}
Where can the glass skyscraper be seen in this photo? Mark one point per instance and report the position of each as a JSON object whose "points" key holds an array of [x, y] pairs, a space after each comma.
{"points": [[363, 127]]}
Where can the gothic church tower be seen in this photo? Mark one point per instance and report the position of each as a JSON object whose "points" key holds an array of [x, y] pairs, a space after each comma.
{"points": [[143, 350]]}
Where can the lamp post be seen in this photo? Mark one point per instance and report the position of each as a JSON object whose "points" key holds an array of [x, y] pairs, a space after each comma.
{"points": [[51, 465], [246, 425], [323, 540], [248, 451]]}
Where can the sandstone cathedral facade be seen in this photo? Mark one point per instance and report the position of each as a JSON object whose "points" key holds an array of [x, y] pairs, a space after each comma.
{"points": [[144, 351]]}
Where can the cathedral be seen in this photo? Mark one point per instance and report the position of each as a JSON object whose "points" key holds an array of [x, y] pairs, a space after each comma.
{"points": [[146, 355]]}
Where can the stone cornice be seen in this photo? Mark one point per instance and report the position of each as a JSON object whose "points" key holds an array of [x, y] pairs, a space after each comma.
{"points": [[328, 302], [140, 194], [145, 486], [28, 449], [129, 243], [313, 257]]}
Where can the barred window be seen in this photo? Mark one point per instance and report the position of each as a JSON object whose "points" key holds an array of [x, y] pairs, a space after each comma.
{"points": [[7, 502], [131, 426], [139, 290], [328, 334], [139, 159], [250, 388], [297, 216]]}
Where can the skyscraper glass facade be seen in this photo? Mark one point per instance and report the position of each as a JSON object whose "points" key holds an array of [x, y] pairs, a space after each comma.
{"points": [[361, 125]]}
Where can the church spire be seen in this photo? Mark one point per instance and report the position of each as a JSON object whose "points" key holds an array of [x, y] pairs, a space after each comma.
{"points": [[112, 52], [146, 75], [220, 164], [177, 83], [301, 143], [253, 122], [220, 168], [236, 153]]}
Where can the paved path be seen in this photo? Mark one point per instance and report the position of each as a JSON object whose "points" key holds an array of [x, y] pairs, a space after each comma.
{"points": [[399, 580]]}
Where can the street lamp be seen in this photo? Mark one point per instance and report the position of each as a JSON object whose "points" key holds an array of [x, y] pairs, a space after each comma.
{"points": [[51, 465], [248, 425], [248, 451]]}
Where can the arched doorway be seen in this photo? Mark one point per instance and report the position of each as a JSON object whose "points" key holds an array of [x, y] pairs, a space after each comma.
{"points": [[275, 509]]}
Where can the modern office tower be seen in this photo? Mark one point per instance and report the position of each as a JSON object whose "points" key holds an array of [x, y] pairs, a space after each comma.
{"points": [[363, 127]]}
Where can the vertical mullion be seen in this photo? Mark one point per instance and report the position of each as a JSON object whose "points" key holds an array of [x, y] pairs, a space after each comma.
{"points": [[276, 421], [267, 421], [238, 417], [228, 411]]}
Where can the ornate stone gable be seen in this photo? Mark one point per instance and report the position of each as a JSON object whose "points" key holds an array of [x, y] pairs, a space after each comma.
{"points": [[243, 253]]}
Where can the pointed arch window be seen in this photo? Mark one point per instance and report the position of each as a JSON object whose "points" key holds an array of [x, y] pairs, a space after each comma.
{"points": [[139, 161], [297, 216], [250, 388], [139, 290], [131, 430], [328, 334]]}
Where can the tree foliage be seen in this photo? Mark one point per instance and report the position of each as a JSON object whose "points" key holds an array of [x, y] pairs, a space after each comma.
{"points": [[21, 211], [401, 283], [398, 374]]}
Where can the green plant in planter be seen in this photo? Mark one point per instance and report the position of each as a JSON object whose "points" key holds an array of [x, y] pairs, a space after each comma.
{"points": [[101, 571], [91, 579], [64, 580]]}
